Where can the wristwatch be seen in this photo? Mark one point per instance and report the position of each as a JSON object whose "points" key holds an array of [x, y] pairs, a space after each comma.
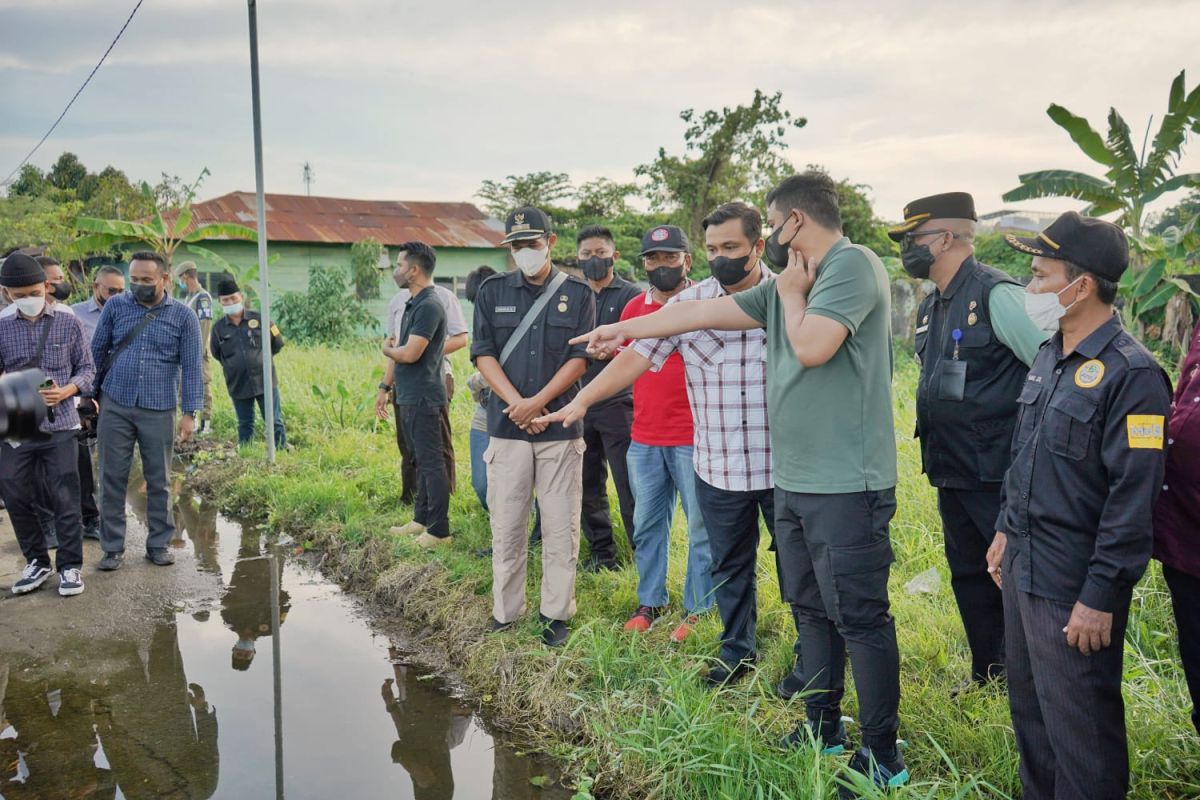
{"points": [[385, 387]]}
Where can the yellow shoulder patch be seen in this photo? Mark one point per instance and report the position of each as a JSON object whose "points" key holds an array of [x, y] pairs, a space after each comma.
{"points": [[1089, 374], [274, 329], [1145, 431]]}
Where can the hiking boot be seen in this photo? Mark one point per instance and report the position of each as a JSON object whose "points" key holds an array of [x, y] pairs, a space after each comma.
{"points": [[70, 582], [555, 632], [91, 530], [791, 685], [833, 743], [496, 626], [882, 772], [645, 618], [595, 565], [684, 629], [111, 561], [160, 557], [411, 529], [723, 674], [32, 577], [427, 541]]}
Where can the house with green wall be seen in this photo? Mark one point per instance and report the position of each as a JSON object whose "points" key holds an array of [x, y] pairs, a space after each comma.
{"points": [[304, 231]]}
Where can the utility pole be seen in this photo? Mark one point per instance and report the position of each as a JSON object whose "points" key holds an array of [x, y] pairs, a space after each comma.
{"points": [[264, 291], [308, 178]]}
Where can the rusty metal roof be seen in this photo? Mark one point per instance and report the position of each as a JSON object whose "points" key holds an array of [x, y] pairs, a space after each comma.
{"points": [[334, 220]]}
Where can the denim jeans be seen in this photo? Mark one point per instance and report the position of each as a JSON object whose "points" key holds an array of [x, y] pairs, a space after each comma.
{"points": [[479, 443], [656, 475], [245, 418]]}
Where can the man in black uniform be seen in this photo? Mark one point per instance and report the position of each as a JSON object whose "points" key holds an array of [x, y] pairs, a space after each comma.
{"points": [[524, 322], [1088, 464], [236, 343], [607, 424], [975, 344]]}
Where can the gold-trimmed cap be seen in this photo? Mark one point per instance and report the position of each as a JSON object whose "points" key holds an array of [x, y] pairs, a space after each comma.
{"points": [[527, 222], [948, 205], [1087, 242]]}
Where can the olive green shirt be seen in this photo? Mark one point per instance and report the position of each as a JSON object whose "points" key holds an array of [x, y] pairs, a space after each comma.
{"points": [[1013, 327], [831, 426]]}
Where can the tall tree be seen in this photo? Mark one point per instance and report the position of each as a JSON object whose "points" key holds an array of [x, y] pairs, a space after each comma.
{"points": [[603, 198], [539, 189], [30, 182], [1134, 178], [734, 153], [68, 172]]}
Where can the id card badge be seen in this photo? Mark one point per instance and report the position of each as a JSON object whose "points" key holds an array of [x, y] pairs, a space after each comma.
{"points": [[952, 383]]}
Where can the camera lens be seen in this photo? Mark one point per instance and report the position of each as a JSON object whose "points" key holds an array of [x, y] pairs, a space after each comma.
{"points": [[21, 407]]}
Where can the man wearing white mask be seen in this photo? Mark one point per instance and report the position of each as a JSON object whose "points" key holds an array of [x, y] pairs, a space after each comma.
{"points": [[524, 321]]}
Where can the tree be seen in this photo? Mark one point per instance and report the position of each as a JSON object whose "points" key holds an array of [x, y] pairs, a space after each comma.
{"points": [[326, 312], [859, 222], [113, 196], [27, 221], [1133, 180], [30, 182], [365, 257], [603, 198], [539, 189], [1179, 214], [729, 154], [67, 173]]}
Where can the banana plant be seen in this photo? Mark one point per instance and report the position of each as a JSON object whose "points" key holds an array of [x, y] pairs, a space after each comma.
{"points": [[1147, 292], [246, 277]]}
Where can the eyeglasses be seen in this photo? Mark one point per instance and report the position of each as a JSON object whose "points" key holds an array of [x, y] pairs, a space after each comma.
{"points": [[111, 291], [662, 259], [909, 237]]}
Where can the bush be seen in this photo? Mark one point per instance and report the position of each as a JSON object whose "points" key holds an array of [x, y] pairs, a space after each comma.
{"points": [[325, 313], [991, 249]]}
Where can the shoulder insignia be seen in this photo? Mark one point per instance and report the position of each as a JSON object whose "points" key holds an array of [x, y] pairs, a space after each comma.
{"points": [[1145, 431], [274, 329], [252, 324]]}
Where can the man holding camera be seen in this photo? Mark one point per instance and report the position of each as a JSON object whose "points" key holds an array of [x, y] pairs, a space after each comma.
{"points": [[39, 336]]}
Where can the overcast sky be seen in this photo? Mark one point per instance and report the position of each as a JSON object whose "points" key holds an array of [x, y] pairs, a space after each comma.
{"points": [[423, 101]]}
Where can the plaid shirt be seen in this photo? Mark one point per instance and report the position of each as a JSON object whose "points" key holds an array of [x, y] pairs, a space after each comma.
{"points": [[727, 384], [65, 359], [147, 374]]}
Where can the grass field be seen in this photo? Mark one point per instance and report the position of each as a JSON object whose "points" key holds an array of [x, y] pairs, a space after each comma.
{"points": [[627, 712]]}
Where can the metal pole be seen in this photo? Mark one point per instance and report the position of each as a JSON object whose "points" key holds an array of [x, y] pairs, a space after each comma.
{"points": [[277, 671], [264, 292]]}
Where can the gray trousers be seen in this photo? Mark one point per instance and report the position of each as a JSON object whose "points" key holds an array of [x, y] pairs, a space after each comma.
{"points": [[1067, 710], [120, 428]]}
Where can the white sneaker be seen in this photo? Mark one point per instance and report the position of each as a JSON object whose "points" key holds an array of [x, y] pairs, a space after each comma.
{"points": [[33, 576], [70, 582]]}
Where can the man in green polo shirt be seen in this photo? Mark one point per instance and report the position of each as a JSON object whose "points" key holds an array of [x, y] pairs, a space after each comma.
{"points": [[829, 397]]}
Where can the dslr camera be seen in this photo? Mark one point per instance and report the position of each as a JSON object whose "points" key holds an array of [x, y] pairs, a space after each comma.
{"points": [[22, 409]]}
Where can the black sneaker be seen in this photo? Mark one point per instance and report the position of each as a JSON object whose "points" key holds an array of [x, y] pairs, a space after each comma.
{"points": [[496, 626], [832, 744], [111, 561], [91, 530], [723, 674], [883, 773], [160, 557], [33, 576], [792, 684], [594, 565], [70, 582], [555, 632]]}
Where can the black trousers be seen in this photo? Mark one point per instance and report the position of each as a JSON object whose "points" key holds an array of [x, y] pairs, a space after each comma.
{"points": [[731, 519], [1185, 596], [835, 553], [968, 525], [19, 469], [408, 468], [423, 429], [606, 436], [1067, 710], [87, 486]]}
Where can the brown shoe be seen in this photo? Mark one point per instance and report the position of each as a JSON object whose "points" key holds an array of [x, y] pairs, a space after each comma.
{"points": [[427, 541], [411, 529]]}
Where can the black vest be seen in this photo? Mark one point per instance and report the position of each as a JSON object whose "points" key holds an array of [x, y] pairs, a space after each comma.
{"points": [[965, 444]]}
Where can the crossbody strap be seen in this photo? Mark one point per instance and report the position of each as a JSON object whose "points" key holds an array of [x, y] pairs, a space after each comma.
{"points": [[531, 316], [111, 358], [36, 361]]}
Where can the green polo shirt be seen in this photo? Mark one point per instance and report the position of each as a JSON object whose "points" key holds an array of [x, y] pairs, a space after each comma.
{"points": [[831, 426]]}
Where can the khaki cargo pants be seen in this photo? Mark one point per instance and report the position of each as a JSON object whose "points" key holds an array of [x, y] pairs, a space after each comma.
{"points": [[515, 470]]}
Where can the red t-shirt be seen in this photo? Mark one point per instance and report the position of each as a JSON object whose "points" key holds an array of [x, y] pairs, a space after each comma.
{"points": [[662, 416]]}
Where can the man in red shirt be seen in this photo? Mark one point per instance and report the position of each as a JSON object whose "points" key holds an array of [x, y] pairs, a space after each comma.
{"points": [[1177, 519], [660, 453]]}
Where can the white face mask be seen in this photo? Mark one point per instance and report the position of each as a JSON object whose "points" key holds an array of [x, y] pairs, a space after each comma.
{"points": [[530, 261], [30, 306], [1044, 308], [232, 308]]}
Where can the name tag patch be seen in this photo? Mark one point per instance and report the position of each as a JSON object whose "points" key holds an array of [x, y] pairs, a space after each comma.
{"points": [[506, 309], [1145, 431], [922, 329]]}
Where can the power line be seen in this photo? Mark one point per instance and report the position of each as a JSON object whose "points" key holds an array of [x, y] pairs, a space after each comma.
{"points": [[91, 74]]}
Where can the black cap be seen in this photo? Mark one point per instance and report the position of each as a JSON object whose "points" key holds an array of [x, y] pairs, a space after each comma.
{"points": [[948, 205], [1089, 243], [526, 223], [226, 287], [665, 239], [21, 270]]}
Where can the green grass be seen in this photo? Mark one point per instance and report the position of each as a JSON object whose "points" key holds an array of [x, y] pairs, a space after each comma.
{"points": [[627, 711]]}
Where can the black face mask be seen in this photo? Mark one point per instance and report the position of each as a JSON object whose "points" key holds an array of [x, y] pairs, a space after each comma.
{"points": [[596, 268], [917, 260], [777, 252], [144, 293], [729, 271], [665, 279], [61, 291]]}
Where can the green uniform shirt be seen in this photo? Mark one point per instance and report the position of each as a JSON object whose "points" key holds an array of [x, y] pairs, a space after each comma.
{"points": [[831, 426], [1013, 327]]}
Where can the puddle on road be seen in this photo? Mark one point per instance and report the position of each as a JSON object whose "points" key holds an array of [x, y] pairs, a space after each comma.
{"points": [[190, 710]]}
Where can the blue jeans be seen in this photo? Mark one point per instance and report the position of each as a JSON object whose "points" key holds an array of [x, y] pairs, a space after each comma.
{"points": [[479, 443], [245, 418], [656, 474]]}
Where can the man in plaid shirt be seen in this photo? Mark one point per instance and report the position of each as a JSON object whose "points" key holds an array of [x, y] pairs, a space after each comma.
{"points": [[42, 336], [139, 393], [726, 381]]}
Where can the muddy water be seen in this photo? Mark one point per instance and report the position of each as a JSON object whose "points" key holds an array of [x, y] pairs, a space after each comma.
{"points": [[187, 703]]}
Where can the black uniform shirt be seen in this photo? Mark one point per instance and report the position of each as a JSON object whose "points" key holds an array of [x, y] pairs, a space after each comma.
{"points": [[499, 308], [610, 302], [1088, 463], [239, 349], [421, 383]]}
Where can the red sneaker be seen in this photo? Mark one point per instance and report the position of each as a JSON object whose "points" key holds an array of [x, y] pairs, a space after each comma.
{"points": [[685, 628], [644, 618]]}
